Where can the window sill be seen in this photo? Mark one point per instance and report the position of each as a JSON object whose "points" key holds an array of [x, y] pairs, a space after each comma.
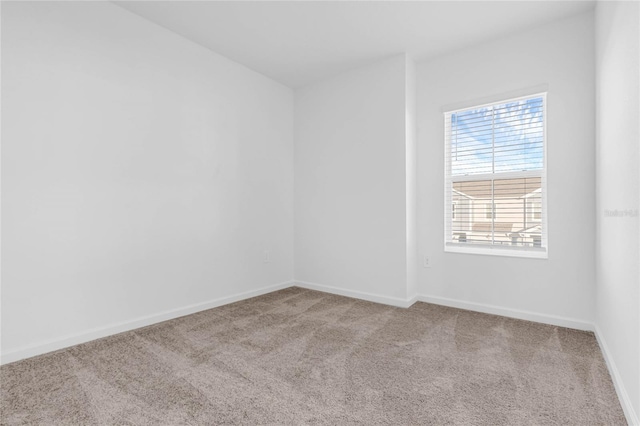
{"points": [[532, 253]]}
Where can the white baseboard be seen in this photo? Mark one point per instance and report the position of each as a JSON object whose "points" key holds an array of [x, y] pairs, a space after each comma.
{"points": [[508, 312], [386, 300], [623, 396], [470, 306], [97, 333]]}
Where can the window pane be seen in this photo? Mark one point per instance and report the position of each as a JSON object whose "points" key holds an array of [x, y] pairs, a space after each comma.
{"points": [[500, 138], [515, 223], [502, 212], [471, 142], [519, 136], [471, 224]]}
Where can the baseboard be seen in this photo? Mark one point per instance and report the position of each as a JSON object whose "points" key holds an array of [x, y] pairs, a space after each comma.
{"points": [[97, 333], [508, 312], [371, 297], [623, 396]]}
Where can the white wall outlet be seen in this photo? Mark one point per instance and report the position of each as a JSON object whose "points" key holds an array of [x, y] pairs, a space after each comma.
{"points": [[266, 258], [427, 262]]}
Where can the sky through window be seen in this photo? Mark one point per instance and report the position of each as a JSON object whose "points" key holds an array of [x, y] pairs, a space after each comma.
{"points": [[499, 138]]}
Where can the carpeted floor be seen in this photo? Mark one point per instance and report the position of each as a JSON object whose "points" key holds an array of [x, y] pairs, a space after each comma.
{"points": [[304, 357]]}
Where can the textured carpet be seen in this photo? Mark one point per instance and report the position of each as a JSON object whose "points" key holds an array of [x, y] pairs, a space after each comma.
{"points": [[304, 357]]}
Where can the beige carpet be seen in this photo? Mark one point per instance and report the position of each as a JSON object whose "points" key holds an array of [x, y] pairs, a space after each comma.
{"points": [[304, 357]]}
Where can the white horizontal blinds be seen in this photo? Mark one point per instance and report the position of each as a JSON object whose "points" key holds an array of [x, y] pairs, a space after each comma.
{"points": [[519, 136], [494, 169]]}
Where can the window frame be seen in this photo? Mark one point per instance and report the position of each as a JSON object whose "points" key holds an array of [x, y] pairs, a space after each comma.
{"points": [[450, 244]]}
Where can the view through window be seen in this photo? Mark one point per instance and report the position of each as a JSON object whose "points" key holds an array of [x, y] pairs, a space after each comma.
{"points": [[495, 175]]}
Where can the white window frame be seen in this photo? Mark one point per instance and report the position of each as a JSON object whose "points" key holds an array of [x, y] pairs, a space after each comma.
{"points": [[496, 250]]}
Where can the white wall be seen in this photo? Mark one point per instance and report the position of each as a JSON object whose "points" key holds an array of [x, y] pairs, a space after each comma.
{"points": [[561, 288], [618, 189], [350, 181], [141, 174]]}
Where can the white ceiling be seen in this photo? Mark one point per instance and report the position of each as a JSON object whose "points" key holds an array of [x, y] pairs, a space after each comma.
{"points": [[299, 42]]}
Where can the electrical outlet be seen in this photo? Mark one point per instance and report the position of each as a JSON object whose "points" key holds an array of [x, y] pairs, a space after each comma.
{"points": [[267, 256], [427, 262]]}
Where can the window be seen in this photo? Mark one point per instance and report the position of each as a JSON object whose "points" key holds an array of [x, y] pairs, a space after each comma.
{"points": [[534, 209], [495, 165], [488, 210]]}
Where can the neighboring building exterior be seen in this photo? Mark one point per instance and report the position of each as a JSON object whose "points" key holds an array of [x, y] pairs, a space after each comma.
{"points": [[513, 218]]}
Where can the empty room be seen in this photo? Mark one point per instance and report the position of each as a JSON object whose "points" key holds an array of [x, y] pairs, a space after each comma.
{"points": [[320, 212]]}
